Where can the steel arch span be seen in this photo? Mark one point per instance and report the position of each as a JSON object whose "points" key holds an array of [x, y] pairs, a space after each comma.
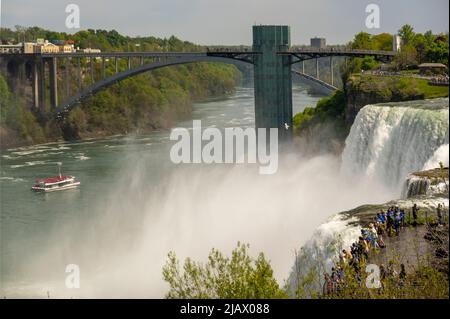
{"points": [[100, 85]]}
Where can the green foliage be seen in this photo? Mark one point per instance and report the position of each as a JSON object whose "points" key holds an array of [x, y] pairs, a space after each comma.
{"points": [[416, 48], [368, 63], [366, 41], [382, 41], [15, 115], [100, 39], [332, 106], [303, 117], [4, 93], [420, 48], [394, 88], [406, 58], [29, 128], [362, 41], [244, 277], [155, 99], [237, 277], [424, 282], [438, 52], [327, 108], [77, 118], [407, 34]]}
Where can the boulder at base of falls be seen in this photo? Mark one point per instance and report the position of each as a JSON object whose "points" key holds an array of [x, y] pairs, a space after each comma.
{"points": [[430, 182]]}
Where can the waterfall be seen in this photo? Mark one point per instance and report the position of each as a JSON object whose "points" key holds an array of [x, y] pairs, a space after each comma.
{"points": [[415, 186], [389, 141], [441, 155], [321, 252]]}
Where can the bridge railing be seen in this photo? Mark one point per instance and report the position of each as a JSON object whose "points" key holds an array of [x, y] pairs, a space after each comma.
{"points": [[341, 51], [209, 51]]}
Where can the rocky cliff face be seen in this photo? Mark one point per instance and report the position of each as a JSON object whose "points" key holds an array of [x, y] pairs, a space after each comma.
{"points": [[363, 90], [321, 138], [426, 183]]}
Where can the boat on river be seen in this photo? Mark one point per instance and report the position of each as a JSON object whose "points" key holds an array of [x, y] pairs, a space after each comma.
{"points": [[58, 183]]}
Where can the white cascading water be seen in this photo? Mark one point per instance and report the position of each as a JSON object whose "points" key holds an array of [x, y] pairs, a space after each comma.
{"points": [[321, 252], [441, 155], [389, 141], [419, 185]]}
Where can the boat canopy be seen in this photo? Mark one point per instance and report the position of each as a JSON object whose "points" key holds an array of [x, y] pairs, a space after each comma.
{"points": [[54, 180]]}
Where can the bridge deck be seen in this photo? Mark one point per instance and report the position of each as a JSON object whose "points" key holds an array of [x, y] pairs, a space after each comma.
{"points": [[305, 51]]}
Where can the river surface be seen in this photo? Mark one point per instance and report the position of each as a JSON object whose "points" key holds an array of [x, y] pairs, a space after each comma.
{"points": [[40, 233]]}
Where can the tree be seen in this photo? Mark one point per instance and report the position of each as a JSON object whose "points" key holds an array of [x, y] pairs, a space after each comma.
{"points": [[429, 37], [406, 58], [407, 34], [382, 41], [363, 41], [368, 63], [238, 277], [421, 44], [438, 52]]}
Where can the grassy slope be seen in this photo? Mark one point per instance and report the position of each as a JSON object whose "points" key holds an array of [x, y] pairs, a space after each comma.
{"points": [[401, 85]]}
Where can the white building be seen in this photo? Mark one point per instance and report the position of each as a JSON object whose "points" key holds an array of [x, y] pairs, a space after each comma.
{"points": [[397, 43], [11, 48]]}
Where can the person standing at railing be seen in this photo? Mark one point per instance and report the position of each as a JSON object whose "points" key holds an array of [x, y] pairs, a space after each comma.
{"points": [[415, 211]]}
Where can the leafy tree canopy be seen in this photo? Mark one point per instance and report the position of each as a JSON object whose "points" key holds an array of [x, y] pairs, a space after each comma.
{"points": [[237, 277]]}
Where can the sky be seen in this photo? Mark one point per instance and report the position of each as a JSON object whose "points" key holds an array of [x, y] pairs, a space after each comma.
{"points": [[228, 22]]}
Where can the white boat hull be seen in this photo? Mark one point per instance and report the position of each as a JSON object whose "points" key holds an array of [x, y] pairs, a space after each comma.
{"points": [[55, 189]]}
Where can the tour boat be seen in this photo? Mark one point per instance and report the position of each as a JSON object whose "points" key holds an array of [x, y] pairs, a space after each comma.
{"points": [[58, 183]]}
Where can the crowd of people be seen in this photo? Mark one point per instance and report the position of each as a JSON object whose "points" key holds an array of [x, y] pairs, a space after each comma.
{"points": [[440, 80], [433, 80], [389, 223], [386, 73]]}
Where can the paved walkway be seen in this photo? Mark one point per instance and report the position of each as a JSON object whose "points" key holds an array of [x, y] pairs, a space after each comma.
{"points": [[407, 248]]}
